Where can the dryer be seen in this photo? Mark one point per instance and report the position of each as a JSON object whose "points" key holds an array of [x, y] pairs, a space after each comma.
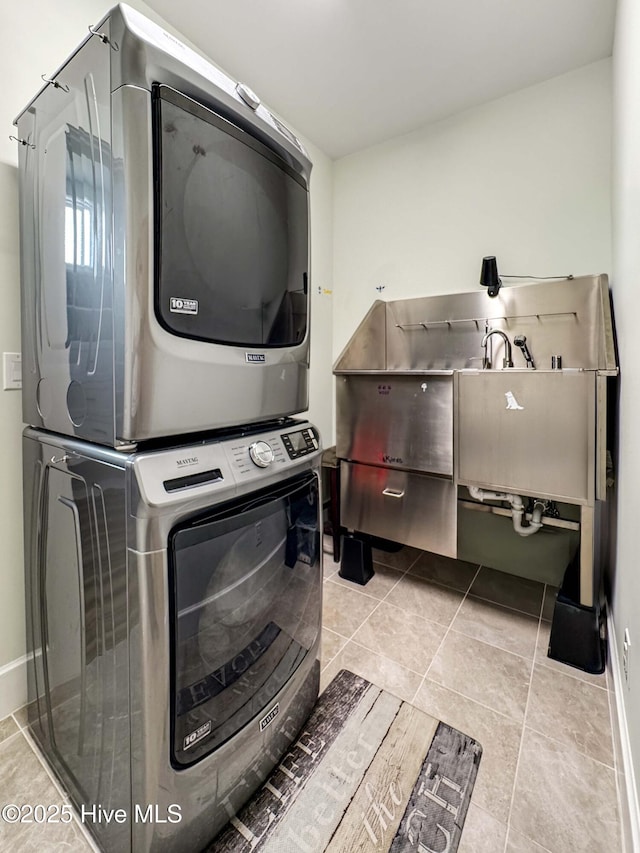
{"points": [[174, 611], [164, 245]]}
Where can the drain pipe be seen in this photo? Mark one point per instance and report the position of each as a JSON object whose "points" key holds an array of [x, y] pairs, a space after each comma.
{"points": [[517, 509], [517, 512]]}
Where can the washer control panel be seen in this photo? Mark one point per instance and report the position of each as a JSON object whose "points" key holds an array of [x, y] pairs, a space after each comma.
{"points": [[261, 454], [251, 457], [223, 466], [300, 443]]}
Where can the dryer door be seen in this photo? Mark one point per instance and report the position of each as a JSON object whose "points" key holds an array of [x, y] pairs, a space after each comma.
{"points": [[246, 603], [231, 231]]}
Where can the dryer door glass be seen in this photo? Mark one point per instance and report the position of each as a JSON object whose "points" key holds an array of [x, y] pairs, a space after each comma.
{"points": [[231, 252], [246, 582]]}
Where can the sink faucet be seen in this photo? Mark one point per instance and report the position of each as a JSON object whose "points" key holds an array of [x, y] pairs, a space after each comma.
{"points": [[507, 360]]}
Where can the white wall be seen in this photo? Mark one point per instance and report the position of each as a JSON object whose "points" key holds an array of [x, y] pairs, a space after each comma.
{"points": [[11, 610], [626, 295], [38, 36], [321, 378], [525, 178]]}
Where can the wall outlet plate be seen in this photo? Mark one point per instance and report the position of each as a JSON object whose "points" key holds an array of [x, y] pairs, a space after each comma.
{"points": [[11, 371]]}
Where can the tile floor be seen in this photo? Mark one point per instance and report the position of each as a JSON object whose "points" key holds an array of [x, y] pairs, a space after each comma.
{"points": [[467, 645]]}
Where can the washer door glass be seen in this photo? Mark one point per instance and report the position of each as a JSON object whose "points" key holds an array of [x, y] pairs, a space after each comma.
{"points": [[245, 611]]}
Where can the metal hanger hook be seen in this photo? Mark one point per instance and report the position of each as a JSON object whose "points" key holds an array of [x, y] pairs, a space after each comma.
{"points": [[22, 141], [54, 83], [103, 38]]}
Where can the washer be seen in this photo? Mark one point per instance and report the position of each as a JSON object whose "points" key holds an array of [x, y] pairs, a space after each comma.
{"points": [[174, 613]]}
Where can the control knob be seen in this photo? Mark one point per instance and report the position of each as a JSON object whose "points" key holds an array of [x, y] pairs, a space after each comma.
{"points": [[261, 454]]}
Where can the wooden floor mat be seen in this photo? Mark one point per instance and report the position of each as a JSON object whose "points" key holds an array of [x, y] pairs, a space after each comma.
{"points": [[368, 772]]}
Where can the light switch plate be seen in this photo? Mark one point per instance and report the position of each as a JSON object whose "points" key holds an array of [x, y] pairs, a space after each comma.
{"points": [[12, 371]]}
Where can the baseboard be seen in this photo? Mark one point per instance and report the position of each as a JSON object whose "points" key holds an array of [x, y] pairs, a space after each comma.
{"points": [[631, 811], [13, 686]]}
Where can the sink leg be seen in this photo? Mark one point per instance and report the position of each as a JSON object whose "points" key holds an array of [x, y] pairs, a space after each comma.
{"points": [[587, 553]]}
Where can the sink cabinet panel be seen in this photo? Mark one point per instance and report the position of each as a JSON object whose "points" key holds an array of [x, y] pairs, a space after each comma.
{"points": [[529, 432], [397, 420], [414, 509]]}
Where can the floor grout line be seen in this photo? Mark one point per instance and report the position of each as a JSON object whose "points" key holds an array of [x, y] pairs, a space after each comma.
{"points": [[16, 720], [524, 724], [66, 799], [539, 847], [440, 584], [78, 824], [351, 638], [382, 655], [571, 748], [613, 717], [463, 633], [542, 661], [477, 597], [36, 751], [506, 717], [408, 612], [403, 574], [359, 592], [11, 737], [323, 667], [446, 634], [493, 645]]}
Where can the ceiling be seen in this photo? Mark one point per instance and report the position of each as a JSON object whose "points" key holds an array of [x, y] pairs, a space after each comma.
{"points": [[348, 74]]}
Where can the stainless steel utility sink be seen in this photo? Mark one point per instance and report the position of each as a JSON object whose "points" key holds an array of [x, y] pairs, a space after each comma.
{"points": [[418, 417]]}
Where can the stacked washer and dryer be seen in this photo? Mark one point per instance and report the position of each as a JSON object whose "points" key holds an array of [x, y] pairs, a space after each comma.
{"points": [[172, 531]]}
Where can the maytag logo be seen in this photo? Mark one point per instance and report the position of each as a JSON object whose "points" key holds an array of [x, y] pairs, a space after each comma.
{"points": [[183, 306], [188, 460], [393, 460], [255, 357], [193, 738], [270, 717]]}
